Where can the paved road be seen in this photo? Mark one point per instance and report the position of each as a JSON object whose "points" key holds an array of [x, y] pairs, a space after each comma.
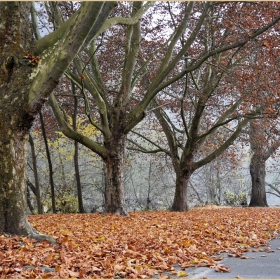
{"points": [[258, 265]]}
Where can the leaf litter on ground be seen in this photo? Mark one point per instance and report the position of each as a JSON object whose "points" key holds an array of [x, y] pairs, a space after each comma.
{"points": [[141, 245]]}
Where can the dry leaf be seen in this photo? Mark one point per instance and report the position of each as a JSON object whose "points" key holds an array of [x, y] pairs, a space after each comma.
{"points": [[182, 274], [143, 244]]}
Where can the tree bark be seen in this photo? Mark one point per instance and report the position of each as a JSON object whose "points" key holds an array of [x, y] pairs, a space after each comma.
{"points": [[257, 171], [36, 177], [148, 201], [13, 206], [257, 164], [114, 187], [181, 187], [15, 120], [12, 166], [76, 153], [30, 206], [49, 162], [23, 89]]}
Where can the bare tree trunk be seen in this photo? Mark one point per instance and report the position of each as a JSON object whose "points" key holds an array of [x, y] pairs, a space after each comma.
{"points": [[211, 182], [16, 120], [36, 177], [30, 206], [26, 81], [13, 188], [257, 171], [76, 153], [257, 164], [148, 204], [13, 206], [114, 192], [49, 162], [180, 197]]}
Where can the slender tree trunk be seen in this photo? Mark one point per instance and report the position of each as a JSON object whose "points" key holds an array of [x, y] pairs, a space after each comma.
{"points": [[114, 187], [76, 153], [180, 197], [30, 206], [49, 162], [148, 200], [78, 179], [257, 171], [36, 177], [62, 171]]}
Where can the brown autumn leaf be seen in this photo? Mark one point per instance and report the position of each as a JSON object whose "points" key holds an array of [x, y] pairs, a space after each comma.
{"points": [[221, 268], [97, 246]]}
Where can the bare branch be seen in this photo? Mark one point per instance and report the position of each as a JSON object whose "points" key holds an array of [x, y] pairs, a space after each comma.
{"points": [[151, 142]]}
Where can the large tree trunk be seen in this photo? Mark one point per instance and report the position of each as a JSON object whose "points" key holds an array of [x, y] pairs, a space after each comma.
{"points": [[257, 171], [180, 197], [13, 181], [26, 81], [13, 207], [114, 186], [257, 164], [15, 120]]}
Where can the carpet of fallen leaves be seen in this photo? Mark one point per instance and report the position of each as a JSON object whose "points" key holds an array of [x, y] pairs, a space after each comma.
{"points": [[141, 245]]}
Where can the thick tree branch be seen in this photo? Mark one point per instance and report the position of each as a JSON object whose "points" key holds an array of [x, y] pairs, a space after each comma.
{"points": [[70, 133], [198, 62], [51, 39], [96, 71], [177, 35], [120, 20], [136, 114], [58, 54], [101, 24], [88, 110], [98, 95], [132, 48]]}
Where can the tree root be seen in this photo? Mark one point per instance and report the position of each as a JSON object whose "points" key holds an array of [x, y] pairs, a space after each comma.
{"points": [[120, 212], [40, 237], [34, 234]]}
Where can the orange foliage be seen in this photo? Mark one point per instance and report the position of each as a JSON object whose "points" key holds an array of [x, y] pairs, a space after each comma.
{"points": [[138, 246]]}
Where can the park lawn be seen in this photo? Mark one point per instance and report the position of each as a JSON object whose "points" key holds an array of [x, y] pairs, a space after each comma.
{"points": [[141, 245]]}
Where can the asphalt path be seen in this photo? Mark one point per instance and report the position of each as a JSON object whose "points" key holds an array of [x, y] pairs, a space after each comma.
{"points": [[262, 264]]}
